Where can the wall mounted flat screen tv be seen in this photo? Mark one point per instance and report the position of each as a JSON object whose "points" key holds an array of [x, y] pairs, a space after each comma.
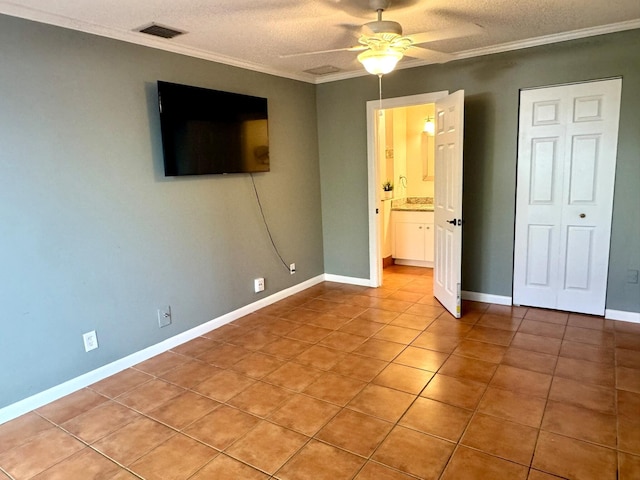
{"points": [[212, 132]]}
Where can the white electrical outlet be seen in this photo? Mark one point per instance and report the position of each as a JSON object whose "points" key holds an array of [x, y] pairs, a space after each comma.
{"points": [[258, 284], [90, 341], [164, 316], [292, 268]]}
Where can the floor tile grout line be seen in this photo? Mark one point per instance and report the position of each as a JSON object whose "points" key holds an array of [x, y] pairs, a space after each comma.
{"points": [[369, 458], [397, 422], [544, 412], [419, 395], [54, 426], [425, 385], [406, 345], [548, 399], [423, 388], [173, 428], [385, 466], [459, 445], [176, 431], [258, 468], [617, 393], [84, 442], [9, 476], [222, 403], [309, 438], [538, 430], [475, 411]]}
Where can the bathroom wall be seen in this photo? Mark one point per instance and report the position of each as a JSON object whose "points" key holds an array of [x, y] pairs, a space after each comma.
{"points": [[385, 154], [412, 150], [404, 152], [399, 151]]}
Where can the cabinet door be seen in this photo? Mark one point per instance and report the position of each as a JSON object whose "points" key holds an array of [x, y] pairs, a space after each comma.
{"points": [[429, 242], [409, 241]]}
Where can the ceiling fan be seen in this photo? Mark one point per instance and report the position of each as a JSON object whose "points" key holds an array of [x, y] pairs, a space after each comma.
{"points": [[382, 44]]}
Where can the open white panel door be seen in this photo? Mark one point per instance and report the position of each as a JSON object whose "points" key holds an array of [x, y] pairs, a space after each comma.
{"points": [[448, 201]]}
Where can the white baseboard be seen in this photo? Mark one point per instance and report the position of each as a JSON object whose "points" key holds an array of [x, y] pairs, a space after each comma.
{"points": [[622, 315], [474, 296], [414, 263], [486, 298], [503, 300], [363, 282], [54, 393]]}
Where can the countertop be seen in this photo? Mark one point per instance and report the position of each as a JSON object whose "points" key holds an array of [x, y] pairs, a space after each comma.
{"points": [[413, 204], [413, 207]]}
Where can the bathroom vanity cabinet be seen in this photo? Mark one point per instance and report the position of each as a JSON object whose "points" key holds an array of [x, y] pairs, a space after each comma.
{"points": [[413, 238]]}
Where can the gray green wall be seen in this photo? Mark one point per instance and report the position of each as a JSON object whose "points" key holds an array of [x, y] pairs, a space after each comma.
{"points": [[93, 236], [491, 85]]}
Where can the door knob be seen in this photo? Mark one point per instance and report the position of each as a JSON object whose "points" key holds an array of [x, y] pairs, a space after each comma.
{"points": [[455, 222], [582, 215]]}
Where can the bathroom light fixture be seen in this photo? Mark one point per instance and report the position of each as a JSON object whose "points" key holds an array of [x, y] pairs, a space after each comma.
{"points": [[429, 126], [380, 61]]}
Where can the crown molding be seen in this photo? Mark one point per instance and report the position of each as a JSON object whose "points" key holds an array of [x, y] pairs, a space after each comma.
{"points": [[11, 9], [549, 39], [142, 39], [504, 47]]}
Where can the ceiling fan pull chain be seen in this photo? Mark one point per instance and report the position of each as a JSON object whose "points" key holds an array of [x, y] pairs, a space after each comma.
{"points": [[380, 92]]}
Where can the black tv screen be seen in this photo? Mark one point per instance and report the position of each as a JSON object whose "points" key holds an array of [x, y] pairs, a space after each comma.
{"points": [[212, 132]]}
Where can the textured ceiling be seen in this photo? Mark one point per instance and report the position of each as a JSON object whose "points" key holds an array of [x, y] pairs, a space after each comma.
{"points": [[256, 33]]}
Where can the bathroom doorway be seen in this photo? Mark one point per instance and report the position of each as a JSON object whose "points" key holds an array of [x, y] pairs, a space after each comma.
{"points": [[406, 166], [446, 226], [390, 123]]}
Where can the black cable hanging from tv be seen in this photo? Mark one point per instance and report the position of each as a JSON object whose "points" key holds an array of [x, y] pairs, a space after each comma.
{"points": [[265, 222]]}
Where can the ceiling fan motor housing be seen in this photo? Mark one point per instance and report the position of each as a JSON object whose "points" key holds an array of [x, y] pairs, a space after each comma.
{"points": [[383, 26], [379, 4]]}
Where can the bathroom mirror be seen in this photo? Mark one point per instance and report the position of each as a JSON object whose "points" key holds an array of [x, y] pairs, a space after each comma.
{"points": [[428, 154]]}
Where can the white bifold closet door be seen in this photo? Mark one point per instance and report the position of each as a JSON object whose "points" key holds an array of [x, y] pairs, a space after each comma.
{"points": [[567, 147]]}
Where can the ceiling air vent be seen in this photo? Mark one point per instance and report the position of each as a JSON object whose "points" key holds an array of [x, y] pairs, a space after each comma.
{"points": [[159, 31], [324, 70]]}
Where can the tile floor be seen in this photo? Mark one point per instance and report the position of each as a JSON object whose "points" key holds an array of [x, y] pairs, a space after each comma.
{"points": [[343, 382]]}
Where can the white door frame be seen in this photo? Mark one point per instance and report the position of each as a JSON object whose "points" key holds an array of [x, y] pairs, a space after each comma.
{"points": [[374, 200]]}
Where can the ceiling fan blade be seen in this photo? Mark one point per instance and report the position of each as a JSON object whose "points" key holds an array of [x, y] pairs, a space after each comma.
{"points": [[428, 54], [357, 48], [446, 33]]}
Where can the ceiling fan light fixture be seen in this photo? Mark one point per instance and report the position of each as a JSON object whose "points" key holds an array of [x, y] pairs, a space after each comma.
{"points": [[380, 61]]}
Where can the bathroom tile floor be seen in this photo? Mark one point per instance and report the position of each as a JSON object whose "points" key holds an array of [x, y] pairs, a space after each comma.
{"points": [[344, 382]]}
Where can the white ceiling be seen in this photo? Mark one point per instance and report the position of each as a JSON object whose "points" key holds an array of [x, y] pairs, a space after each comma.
{"points": [[255, 33]]}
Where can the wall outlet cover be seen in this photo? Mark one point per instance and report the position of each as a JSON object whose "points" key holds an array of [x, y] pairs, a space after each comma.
{"points": [[164, 316], [90, 341]]}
